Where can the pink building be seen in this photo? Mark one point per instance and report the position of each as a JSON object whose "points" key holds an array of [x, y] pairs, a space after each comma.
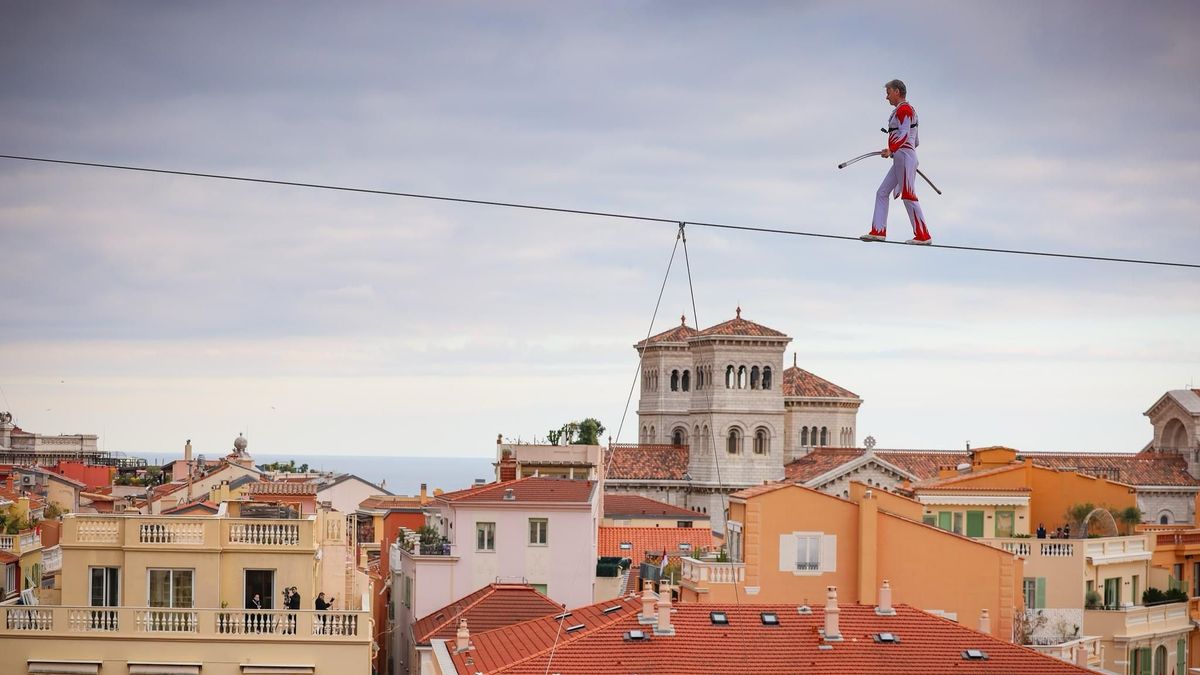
{"points": [[535, 530]]}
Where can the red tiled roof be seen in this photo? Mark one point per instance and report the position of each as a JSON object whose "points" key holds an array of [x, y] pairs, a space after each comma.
{"points": [[818, 462], [532, 489], [639, 462], [800, 382], [679, 333], [6, 557], [191, 507], [645, 541], [617, 504], [740, 327], [390, 502], [761, 489], [491, 607], [926, 644], [281, 488]]}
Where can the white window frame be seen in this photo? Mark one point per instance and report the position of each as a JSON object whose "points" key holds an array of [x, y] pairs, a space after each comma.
{"points": [[171, 584], [10, 579], [544, 531], [807, 553], [117, 594], [489, 538]]}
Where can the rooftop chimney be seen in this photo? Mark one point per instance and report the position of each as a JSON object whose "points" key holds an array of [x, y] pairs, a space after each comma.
{"points": [[832, 631], [885, 600], [187, 451], [424, 493], [462, 639], [508, 467], [647, 615], [509, 495], [664, 626], [985, 622]]}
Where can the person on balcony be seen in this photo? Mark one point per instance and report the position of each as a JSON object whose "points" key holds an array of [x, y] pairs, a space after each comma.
{"points": [[1041, 531], [321, 605], [293, 602], [254, 619]]}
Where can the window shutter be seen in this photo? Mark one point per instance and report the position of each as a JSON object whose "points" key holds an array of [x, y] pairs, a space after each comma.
{"points": [[1144, 661], [974, 523], [787, 552], [1181, 657], [829, 553], [1041, 593]]}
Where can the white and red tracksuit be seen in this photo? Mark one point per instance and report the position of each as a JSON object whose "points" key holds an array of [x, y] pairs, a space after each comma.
{"points": [[901, 179]]}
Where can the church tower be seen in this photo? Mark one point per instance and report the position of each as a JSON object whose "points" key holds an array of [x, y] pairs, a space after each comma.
{"points": [[668, 378]]}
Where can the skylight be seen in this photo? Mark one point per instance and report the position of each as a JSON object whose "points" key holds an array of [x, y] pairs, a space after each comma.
{"points": [[636, 634], [719, 618], [578, 626], [560, 617], [770, 618], [685, 546], [974, 655], [889, 638], [626, 546], [610, 610]]}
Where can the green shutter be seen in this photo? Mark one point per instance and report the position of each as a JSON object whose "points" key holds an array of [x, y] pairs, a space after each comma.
{"points": [[945, 520], [1144, 661], [930, 519], [1040, 593], [1181, 657], [974, 523]]}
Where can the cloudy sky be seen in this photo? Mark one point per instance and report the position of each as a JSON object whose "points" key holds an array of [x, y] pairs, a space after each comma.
{"points": [[152, 309]]}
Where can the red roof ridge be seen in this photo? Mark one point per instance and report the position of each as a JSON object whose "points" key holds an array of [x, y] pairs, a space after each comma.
{"points": [[484, 594]]}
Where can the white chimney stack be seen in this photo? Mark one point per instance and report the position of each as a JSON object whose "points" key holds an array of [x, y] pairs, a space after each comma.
{"points": [[664, 626], [985, 622], [187, 451], [462, 639], [832, 631], [885, 600]]}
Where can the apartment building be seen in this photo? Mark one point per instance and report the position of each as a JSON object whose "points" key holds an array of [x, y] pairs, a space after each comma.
{"points": [[156, 594]]}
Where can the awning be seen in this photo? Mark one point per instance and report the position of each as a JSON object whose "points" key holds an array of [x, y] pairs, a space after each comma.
{"points": [[145, 668], [47, 667], [276, 669]]}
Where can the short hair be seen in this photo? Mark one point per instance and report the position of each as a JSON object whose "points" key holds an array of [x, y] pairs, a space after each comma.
{"points": [[898, 86]]}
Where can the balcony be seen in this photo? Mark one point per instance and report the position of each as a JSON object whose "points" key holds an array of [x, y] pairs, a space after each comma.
{"points": [[703, 572], [183, 533], [23, 542], [1137, 621], [1074, 650], [1099, 551], [147, 623], [51, 560]]}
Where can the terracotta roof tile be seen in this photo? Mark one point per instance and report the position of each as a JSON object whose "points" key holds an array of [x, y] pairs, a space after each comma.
{"points": [[818, 462], [281, 488], [640, 462], [927, 644], [643, 541], [491, 607], [738, 326], [636, 506], [679, 333], [532, 489], [394, 502], [800, 382]]}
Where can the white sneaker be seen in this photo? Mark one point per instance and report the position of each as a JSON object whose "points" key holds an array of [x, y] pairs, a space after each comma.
{"points": [[871, 236], [922, 242]]}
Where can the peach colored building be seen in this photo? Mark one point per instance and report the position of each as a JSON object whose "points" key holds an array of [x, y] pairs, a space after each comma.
{"points": [[788, 543]]}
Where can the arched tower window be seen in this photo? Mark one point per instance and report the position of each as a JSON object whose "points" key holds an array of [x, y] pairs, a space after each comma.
{"points": [[754, 377], [679, 437], [686, 381], [704, 438], [824, 435], [804, 437], [674, 380], [1164, 519], [741, 377], [699, 378], [645, 434], [652, 438], [729, 375], [733, 444], [766, 377], [760, 442]]}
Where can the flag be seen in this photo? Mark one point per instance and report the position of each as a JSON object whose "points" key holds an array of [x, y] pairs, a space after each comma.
{"points": [[662, 564]]}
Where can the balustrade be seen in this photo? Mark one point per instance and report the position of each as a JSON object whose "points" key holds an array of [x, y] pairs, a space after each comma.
{"points": [[702, 571], [171, 532], [264, 533], [98, 530], [8, 542], [168, 623]]}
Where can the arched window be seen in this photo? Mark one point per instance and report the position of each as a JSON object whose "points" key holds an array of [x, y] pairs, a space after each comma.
{"points": [[653, 436], [741, 377], [1164, 519], [674, 380], [804, 437], [766, 378], [679, 437], [645, 434], [1160, 660], [824, 435], [699, 378], [729, 375], [754, 377], [704, 438], [733, 444], [686, 382], [760, 442]]}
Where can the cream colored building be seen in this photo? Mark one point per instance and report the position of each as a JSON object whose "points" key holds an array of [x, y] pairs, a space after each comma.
{"points": [[163, 594]]}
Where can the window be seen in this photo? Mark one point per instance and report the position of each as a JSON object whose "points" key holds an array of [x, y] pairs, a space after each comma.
{"points": [[408, 591], [974, 523], [1160, 660], [824, 436], [485, 536], [958, 522], [1136, 596], [754, 377], [674, 380], [741, 377], [760, 442], [1181, 656], [540, 588], [1112, 593], [766, 377], [808, 552], [170, 588], [679, 437], [1164, 519], [10, 579], [1004, 523], [105, 586], [734, 443], [729, 375], [1195, 579], [687, 380], [1034, 591], [683, 523], [538, 531], [804, 437], [699, 378]]}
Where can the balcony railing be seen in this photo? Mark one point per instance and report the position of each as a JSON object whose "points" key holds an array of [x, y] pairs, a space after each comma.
{"points": [[1138, 620], [22, 542], [1104, 549], [51, 560], [163, 623], [1070, 651], [205, 532], [704, 572]]}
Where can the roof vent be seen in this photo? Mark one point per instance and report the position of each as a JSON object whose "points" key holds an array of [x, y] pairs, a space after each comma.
{"points": [[974, 655], [626, 546], [719, 618], [635, 634], [769, 618], [804, 609], [684, 546], [509, 495], [578, 626], [888, 638], [610, 610], [560, 617]]}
